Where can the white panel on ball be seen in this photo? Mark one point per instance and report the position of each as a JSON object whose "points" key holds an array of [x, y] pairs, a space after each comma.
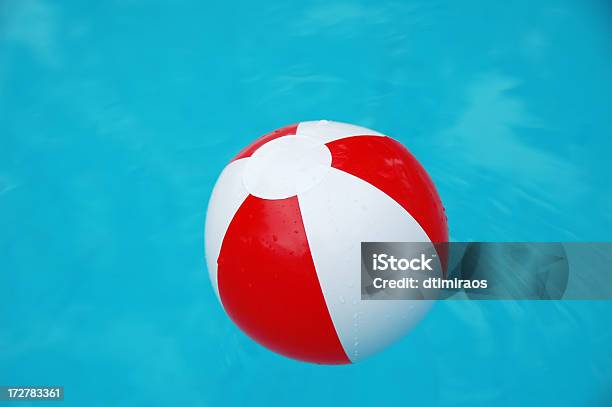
{"points": [[325, 131], [227, 196], [340, 213]]}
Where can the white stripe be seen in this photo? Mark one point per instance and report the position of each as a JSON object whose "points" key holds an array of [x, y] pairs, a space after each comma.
{"points": [[339, 213], [326, 131], [227, 196]]}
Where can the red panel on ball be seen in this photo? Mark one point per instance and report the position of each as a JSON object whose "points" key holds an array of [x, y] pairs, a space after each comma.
{"points": [[390, 167], [250, 149], [269, 286]]}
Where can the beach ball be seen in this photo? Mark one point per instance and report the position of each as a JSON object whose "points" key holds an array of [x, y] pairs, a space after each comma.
{"points": [[283, 233]]}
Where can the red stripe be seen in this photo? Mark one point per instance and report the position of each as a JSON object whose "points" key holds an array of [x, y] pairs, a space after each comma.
{"points": [[269, 286], [389, 166], [250, 149]]}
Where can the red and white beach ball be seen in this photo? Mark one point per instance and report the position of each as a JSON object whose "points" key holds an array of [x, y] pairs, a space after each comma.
{"points": [[283, 232]]}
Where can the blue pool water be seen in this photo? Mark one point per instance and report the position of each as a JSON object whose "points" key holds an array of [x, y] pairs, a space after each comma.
{"points": [[116, 118]]}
